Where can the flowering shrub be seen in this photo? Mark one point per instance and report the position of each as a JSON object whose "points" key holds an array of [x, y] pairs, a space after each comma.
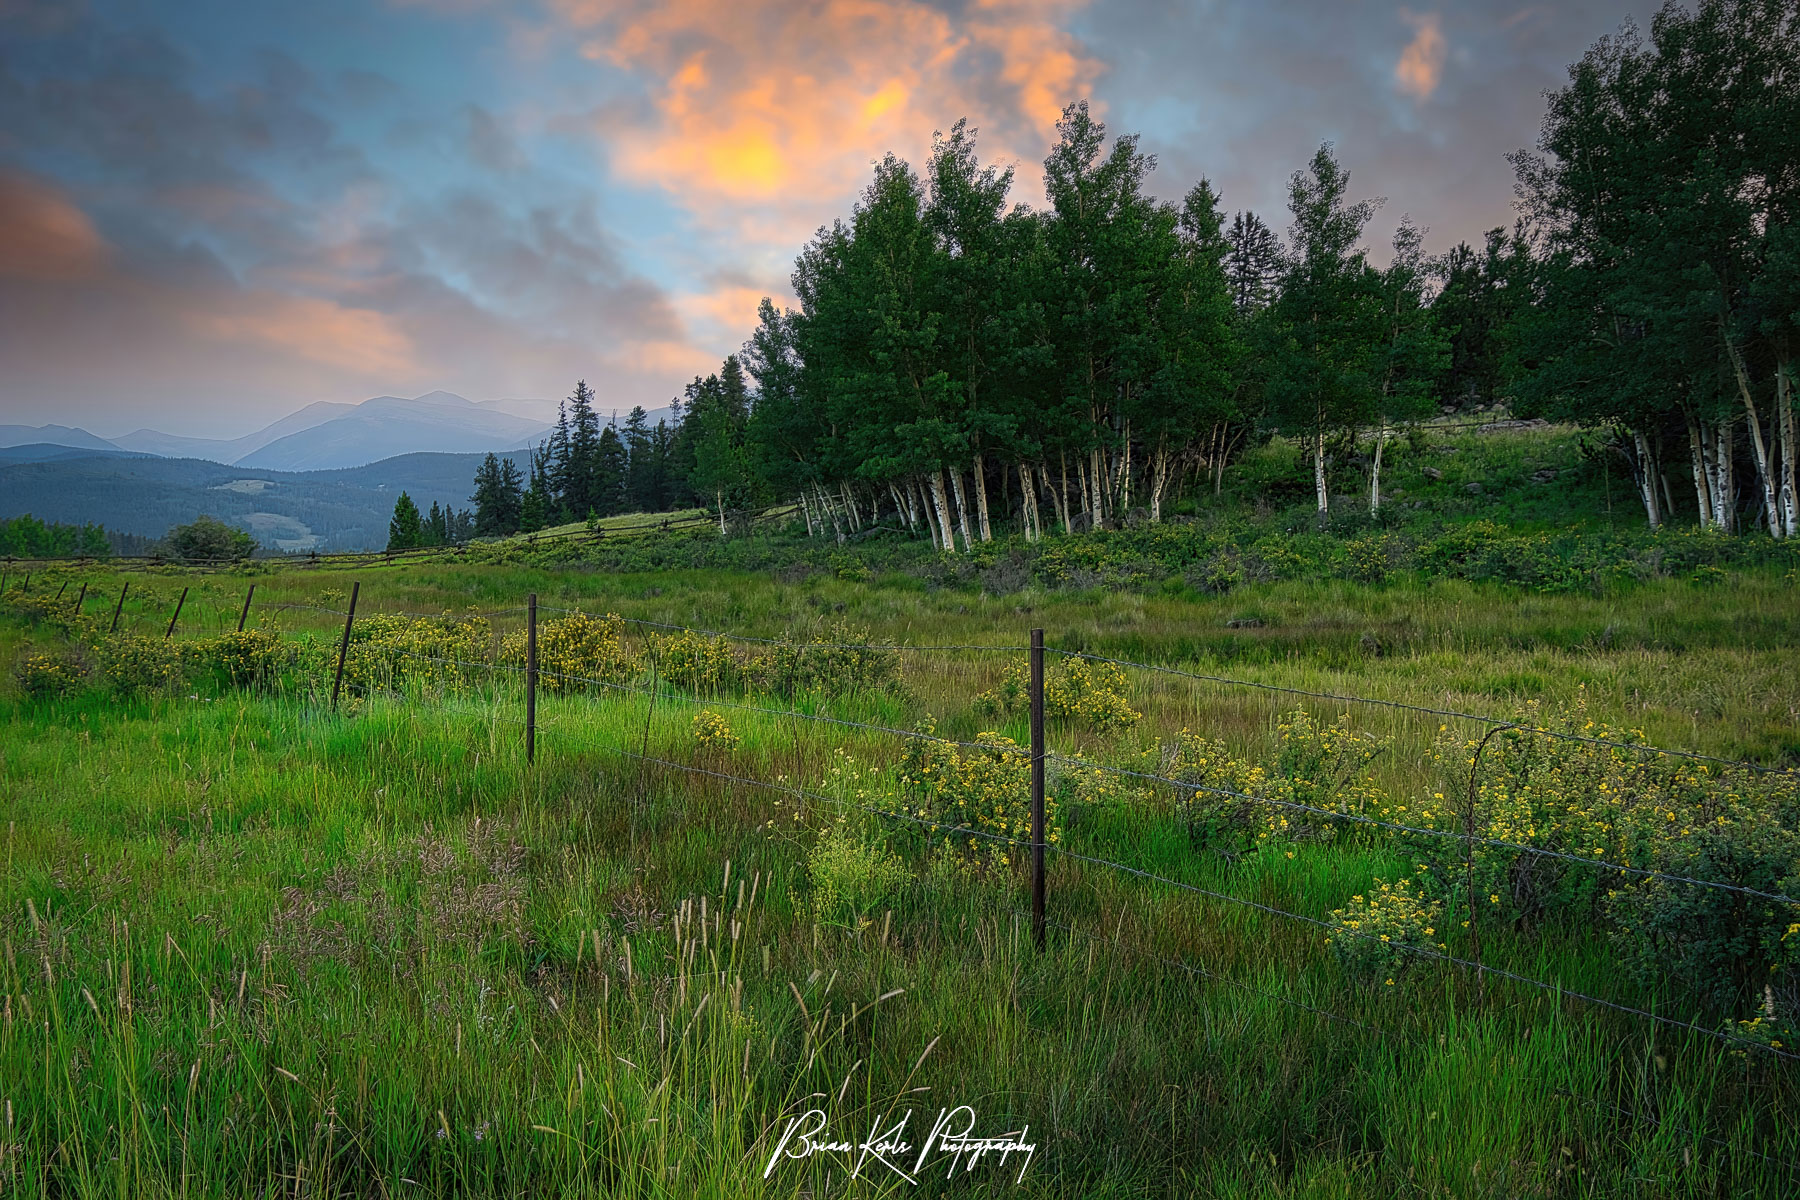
{"points": [[253, 658], [1089, 693], [1321, 766], [574, 649], [985, 789], [851, 876], [1372, 931], [1092, 693], [840, 659], [697, 662], [132, 663], [42, 676], [712, 733], [392, 649]]}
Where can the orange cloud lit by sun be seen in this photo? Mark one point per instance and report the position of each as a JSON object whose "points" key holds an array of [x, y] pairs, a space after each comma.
{"points": [[352, 339], [767, 101], [43, 236], [1421, 63]]}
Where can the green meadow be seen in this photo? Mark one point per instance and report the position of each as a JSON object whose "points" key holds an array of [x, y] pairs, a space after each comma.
{"points": [[256, 946]]}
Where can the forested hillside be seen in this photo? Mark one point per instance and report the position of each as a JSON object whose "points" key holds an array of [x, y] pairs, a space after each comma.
{"points": [[325, 510], [957, 359]]}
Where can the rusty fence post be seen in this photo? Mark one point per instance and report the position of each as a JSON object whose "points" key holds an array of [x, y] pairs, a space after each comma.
{"points": [[81, 599], [1037, 786], [176, 615], [344, 646], [119, 607], [246, 609]]}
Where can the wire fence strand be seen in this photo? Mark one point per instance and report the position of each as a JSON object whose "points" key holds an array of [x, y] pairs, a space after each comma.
{"points": [[1424, 831]]}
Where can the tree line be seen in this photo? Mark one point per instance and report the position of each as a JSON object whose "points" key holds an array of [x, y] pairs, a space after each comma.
{"points": [[957, 361]]}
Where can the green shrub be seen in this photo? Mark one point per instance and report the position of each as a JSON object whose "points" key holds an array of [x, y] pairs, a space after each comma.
{"points": [[575, 649], [133, 664], [44, 676], [253, 658], [700, 663], [852, 876], [1372, 932], [839, 660]]}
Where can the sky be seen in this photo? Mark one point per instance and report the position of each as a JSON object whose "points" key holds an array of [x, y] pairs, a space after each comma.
{"points": [[215, 212]]}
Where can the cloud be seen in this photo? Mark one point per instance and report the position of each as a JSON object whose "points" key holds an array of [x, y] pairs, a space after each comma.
{"points": [[760, 109], [222, 251], [490, 144], [358, 340], [1421, 63], [43, 236]]}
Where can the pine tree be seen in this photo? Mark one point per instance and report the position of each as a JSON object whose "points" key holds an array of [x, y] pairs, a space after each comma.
{"points": [[406, 530], [610, 462], [498, 497]]}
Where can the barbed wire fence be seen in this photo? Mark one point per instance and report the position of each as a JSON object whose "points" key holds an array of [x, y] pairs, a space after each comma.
{"points": [[1038, 849]]}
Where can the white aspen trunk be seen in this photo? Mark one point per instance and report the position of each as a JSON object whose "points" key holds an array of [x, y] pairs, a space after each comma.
{"points": [[806, 510], [1081, 483], [1647, 480], [917, 500], [900, 507], [1064, 492], [1226, 441], [981, 498], [720, 496], [1725, 474], [1159, 478], [942, 503], [1319, 474], [830, 510], [962, 509], [1697, 452], [1122, 482], [1771, 510], [1097, 470], [1034, 526], [1375, 471], [929, 512], [1786, 435]]}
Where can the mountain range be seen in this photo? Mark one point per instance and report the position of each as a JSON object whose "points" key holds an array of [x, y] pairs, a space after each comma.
{"points": [[323, 478], [324, 436]]}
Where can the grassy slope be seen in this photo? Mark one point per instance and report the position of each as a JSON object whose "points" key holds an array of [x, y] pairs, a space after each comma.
{"points": [[315, 944]]}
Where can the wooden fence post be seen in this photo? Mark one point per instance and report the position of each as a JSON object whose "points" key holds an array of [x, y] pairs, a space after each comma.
{"points": [[1037, 786], [344, 646], [531, 674], [119, 607], [176, 615], [246, 610]]}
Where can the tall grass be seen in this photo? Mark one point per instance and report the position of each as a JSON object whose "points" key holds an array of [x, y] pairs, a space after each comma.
{"points": [[253, 947]]}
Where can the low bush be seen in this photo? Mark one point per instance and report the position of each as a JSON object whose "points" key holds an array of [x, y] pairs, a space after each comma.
{"points": [[1379, 935], [133, 664]]}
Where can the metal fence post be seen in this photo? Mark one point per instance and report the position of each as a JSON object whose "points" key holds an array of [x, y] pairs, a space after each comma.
{"points": [[246, 610], [119, 607], [1037, 786], [344, 646], [61, 590], [531, 673], [81, 599], [176, 615]]}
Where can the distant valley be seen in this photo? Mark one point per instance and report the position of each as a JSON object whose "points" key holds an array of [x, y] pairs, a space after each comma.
{"points": [[323, 478]]}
